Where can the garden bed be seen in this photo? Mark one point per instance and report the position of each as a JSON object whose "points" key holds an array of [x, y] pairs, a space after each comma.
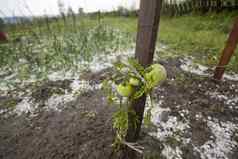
{"points": [[193, 117]]}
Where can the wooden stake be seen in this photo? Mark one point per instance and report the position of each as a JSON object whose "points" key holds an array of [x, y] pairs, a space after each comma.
{"points": [[149, 17], [227, 52]]}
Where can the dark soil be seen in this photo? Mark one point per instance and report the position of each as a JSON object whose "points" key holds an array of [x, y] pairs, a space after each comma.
{"points": [[83, 130], [45, 90]]}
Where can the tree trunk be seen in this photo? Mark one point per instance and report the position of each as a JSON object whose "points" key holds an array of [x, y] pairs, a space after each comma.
{"points": [[203, 6], [218, 5], [145, 47], [227, 52], [209, 5], [236, 4], [148, 25]]}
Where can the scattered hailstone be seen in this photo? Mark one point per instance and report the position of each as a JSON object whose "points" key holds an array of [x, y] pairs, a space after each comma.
{"points": [[161, 118], [184, 113], [217, 95], [61, 75], [57, 102], [159, 114], [189, 66], [171, 153], [232, 101], [167, 126], [233, 77], [103, 61], [25, 106], [98, 63], [199, 116], [223, 145], [82, 85]]}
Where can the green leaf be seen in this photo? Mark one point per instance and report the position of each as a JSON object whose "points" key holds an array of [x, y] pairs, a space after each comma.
{"points": [[135, 64], [139, 93]]}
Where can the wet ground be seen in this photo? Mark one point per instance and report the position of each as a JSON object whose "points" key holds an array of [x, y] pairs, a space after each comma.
{"points": [[194, 117]]}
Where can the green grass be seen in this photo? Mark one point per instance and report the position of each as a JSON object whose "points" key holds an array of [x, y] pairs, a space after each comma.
{"points": [[203, 37], [43, 51], [200, 36]]}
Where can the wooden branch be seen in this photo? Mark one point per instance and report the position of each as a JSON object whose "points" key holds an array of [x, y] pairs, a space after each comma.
{"points": [[149, 16], [227, 52]]}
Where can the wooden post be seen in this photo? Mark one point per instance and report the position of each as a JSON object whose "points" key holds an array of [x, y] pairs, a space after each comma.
{"points": [[149, 17], [227, 52]]}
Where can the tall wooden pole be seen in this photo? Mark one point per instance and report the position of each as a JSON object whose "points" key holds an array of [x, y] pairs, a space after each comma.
{"points": [[227, 52], [149, 17]]}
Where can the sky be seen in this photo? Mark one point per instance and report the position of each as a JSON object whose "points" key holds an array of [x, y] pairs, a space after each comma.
{"points": [[50, 7]]}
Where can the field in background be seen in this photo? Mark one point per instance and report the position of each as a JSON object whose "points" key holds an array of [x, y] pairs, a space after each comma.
{"points": [[49, 44], [200, 36]]}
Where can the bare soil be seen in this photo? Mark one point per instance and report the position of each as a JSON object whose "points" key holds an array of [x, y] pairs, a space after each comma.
{"points": [[83, 129]]}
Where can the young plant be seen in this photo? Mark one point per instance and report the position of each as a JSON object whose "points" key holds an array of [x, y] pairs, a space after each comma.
{"points": [[129, 82]]}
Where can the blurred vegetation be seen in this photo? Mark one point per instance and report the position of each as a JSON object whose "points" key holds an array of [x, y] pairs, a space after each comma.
{"points": [[201, 36], [46, 44]]}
